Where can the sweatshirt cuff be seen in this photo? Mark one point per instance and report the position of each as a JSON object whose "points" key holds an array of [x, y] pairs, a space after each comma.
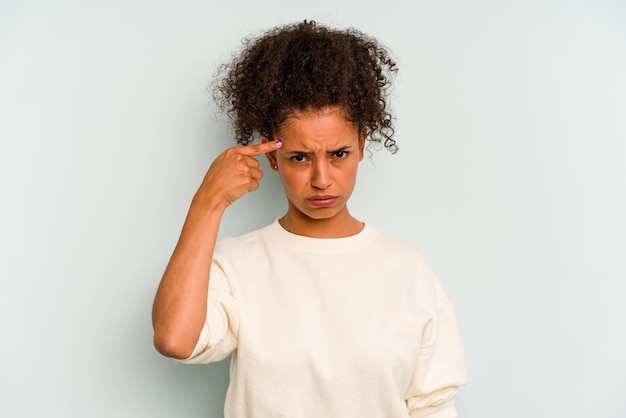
{"points": [[443, 410], [201, 345]]}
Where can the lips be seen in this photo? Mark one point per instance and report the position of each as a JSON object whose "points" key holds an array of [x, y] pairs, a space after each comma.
{"points": [[322, 200]]}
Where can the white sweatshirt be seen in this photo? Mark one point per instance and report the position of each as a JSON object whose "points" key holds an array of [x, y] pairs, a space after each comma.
{"points": [[345, 327]]}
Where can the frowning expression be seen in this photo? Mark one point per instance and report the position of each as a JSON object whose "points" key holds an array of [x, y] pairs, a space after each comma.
{"points": [[318, 163]]}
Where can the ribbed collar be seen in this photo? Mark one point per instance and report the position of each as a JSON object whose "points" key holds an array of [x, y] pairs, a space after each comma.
{"points": [[287, 239]]}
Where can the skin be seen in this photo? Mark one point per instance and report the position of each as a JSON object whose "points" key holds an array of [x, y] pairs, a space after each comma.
{"points": [[180, 305], [317, 165]]}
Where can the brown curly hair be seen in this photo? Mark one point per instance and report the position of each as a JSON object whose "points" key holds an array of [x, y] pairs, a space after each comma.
{"points": [[307, 66]]}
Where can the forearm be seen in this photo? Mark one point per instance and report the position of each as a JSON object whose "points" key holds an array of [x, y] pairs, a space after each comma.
{"points": [[180, 304]]}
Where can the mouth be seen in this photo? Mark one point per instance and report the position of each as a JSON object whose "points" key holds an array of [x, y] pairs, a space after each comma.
{"points": [[322, 201]]}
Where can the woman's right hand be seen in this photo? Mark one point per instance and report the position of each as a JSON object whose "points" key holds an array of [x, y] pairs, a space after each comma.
{"points": [[234, 173], [180, 304]]}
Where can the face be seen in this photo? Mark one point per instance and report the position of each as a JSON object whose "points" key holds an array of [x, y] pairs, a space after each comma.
{"points": [[317, 165]]}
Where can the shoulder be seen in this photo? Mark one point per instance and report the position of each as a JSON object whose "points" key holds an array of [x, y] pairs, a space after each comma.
{"points": [[409, 269], [243, 243], [397, 248]]}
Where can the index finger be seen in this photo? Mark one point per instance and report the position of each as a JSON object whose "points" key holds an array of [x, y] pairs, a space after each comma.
{"points": [[258, 149]]}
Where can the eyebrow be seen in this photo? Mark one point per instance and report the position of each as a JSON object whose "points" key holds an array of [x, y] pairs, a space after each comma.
{"points": [[344, 148]]}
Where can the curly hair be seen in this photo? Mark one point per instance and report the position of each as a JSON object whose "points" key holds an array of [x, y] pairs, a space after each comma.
{"points": [[305, 66]]}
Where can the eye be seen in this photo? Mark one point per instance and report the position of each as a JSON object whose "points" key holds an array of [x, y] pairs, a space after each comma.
{"points": [[299, 158], [340, 154]]}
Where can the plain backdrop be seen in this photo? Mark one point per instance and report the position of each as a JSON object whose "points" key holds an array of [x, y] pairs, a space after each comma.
{"points": [[511, 179]]}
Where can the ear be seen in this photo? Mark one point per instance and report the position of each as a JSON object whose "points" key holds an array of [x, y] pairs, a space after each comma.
{"points": [[271, 156], [362, 136]]}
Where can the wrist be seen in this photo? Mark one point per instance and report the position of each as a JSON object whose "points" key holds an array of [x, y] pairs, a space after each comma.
{"points": [[208, 203]]}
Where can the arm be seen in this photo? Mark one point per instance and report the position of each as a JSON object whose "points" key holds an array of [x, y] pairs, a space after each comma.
{"points": [[440, 366], [180, 305]]}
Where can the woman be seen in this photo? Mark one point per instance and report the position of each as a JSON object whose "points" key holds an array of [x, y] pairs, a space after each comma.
{"points": [[324, 315]]}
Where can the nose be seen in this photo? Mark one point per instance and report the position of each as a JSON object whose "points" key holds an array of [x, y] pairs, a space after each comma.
{"points": [[320, 175]]}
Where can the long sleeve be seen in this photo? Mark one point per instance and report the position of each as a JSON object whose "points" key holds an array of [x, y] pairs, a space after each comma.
{"points": [[219, 334], [440, 366]]}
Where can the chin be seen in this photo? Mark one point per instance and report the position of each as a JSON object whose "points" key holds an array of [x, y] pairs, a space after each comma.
{"points": [[321, 214]]}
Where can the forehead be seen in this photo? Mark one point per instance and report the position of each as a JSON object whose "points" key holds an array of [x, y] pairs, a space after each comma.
{"points": [[317, 127]]}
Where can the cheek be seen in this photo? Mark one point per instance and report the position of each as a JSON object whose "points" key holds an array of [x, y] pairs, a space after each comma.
{"points": [[291, 180], [348, 175]]}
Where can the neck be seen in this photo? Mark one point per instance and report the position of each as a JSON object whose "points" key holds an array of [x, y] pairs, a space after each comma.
{"points": [[339, 226]]}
